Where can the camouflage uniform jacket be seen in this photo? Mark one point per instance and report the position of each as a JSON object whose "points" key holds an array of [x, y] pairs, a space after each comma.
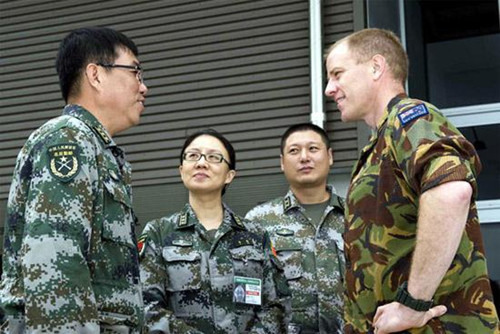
{"points": [[312, 258], [70, 262], [189, 280], [414, 149]]}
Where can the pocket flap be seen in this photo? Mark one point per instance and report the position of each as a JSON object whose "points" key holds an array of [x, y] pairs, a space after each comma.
{"points": [[286, 244], [245, 253], [117, 189], [174, 254]]}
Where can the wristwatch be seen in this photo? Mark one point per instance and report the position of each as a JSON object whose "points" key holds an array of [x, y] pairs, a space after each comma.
{"points": [[404, 297]]}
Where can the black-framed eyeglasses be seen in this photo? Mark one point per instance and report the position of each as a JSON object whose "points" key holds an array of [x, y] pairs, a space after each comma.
{"points": [[209, 157], [139, 73]]}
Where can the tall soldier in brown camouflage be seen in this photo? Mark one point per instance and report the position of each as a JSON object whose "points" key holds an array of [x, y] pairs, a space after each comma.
{"points": [[204, 269], [306, 230], [412, 235], [70, 262]]}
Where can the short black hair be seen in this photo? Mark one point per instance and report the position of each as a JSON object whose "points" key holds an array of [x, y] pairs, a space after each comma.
{"points": [[226, 143], [87, 45], [211, 132], [304, 127]]}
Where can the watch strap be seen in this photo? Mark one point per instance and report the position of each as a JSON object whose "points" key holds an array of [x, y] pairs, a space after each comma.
{"points": [[404, 297]]}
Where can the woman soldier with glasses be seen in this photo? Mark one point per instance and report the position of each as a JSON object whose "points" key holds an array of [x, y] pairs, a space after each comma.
{"points": [[205, 269]]}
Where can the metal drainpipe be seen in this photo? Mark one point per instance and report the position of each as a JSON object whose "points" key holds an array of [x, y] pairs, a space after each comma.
{"points": [[316, 63]]}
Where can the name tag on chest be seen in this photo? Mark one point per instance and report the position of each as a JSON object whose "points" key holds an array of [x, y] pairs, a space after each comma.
{"points": [[247, 290]]}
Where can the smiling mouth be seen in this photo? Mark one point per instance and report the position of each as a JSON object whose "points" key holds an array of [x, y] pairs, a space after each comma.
{"points": [[340, 99]]}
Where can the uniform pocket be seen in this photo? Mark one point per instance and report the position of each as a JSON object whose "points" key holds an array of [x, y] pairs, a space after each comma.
{"points": [[116, 188], [118, 216], [289, 252], [183, 268], [247, 261]]}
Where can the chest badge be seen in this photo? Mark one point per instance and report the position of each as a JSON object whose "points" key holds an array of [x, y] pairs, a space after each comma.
{"points": [[64, 161], [285, 232]]}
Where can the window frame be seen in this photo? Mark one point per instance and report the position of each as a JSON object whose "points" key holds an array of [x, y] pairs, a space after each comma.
{"points": [[476, 115], [463, 116]]}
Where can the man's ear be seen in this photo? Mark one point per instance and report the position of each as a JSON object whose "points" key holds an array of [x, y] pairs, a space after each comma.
{"points": [[93, 75], [379, 66], [330, 156], [281, 162]]}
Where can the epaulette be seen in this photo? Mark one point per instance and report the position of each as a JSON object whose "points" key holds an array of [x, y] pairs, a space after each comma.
{"points": [[339, 202], [287, 203], [183, 219], [238, 221], [102, 133]]}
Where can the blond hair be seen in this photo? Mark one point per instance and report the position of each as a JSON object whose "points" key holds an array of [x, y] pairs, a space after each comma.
{"points": [[366, 43]]}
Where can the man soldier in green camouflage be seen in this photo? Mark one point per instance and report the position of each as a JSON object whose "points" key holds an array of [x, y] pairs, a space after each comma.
{"points": [[412, 235], [306, 227], [70, 262]]}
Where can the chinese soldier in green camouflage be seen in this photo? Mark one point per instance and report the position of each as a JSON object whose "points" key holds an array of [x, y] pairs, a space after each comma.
{"points": [[306, 227], [204, 269], [412, 235], [70, 262]]}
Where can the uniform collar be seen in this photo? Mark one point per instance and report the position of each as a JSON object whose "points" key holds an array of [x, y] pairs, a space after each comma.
{"points": [[392, 103], [290, 201], [187, 218], [91, 121]]}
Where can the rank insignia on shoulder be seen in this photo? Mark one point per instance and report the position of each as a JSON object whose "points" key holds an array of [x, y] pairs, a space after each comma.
{"points": [[141, 244], [64, 161], [409, 115], [238, 221], [287, 203], [183, 219]]}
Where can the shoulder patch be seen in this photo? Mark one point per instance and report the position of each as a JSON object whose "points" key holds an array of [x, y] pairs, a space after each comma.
{"points": [[141, 244], [64, 161], [409, 115]]}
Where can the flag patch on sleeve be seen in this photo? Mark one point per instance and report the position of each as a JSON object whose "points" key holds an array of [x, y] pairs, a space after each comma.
{"points": [[409, 115]]}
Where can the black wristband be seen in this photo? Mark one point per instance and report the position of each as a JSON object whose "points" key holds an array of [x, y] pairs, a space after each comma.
{"points": [[404, 297]]}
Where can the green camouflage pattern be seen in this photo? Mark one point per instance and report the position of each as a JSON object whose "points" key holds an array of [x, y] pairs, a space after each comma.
{"points": [[70, 262], [312, 259], [401, 162], [188, 281]]}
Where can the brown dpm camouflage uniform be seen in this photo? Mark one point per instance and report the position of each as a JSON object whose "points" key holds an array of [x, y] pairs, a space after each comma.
{"points": [[312, 258], [193, 284], [414, 149], [70, 262]]}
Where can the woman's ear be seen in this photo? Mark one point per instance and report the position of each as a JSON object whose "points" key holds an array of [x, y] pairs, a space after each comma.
{"points": [[230, 176]]}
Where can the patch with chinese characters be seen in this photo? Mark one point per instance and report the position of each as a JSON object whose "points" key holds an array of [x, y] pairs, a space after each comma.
{"points": [[64, 161]]}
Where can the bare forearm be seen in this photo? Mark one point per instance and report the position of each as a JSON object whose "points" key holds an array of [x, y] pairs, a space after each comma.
{"points": [[443, 213]]}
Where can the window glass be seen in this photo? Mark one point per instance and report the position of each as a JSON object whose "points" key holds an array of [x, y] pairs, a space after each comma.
{"points": [[454, 50], [486, 139]]}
